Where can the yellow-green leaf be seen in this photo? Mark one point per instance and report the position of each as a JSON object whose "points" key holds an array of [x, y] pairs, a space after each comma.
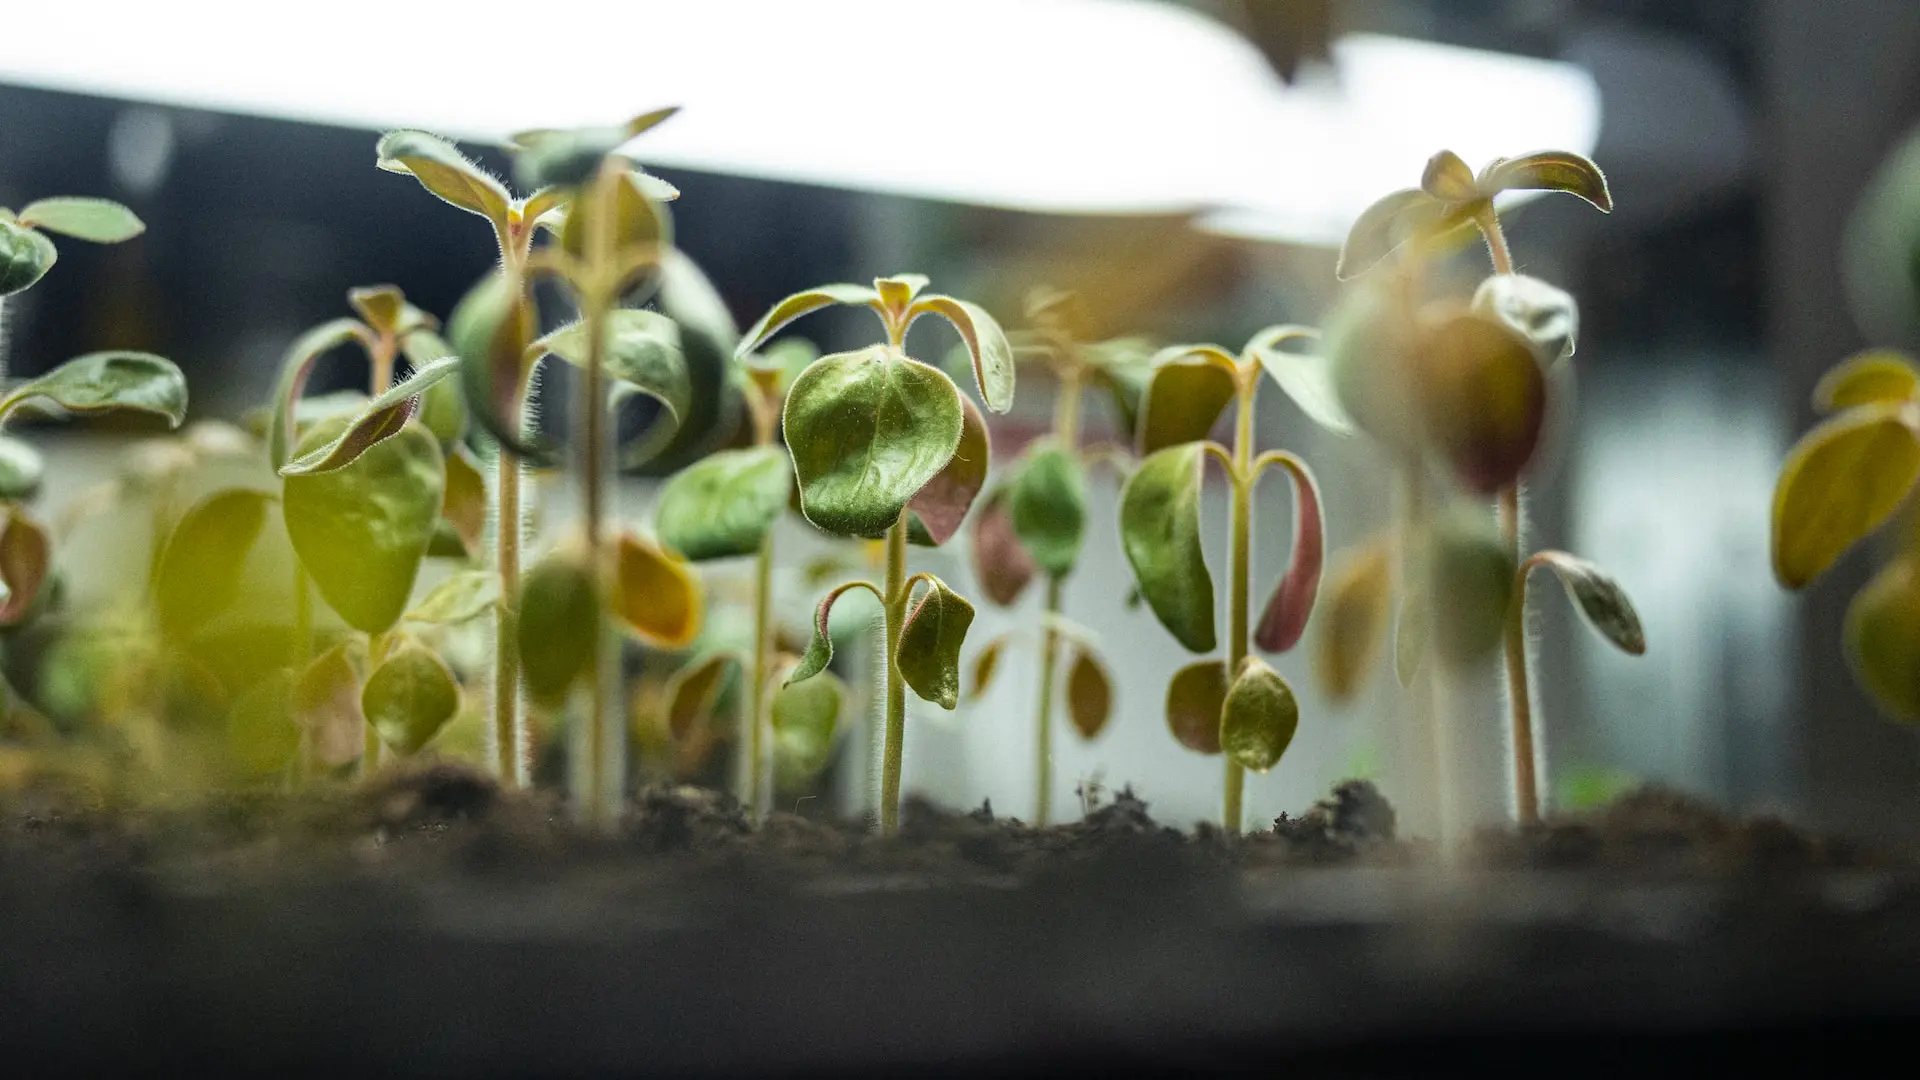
{"points": [[1877, 376], [1259, 716], [1089, 694], [383, 418], [114, 381], [199, 573], [1190, 386], [799, 304], [1047, 504], [443, 408], [463, 596], [1549, 170], [326, 704], [295, 368], [21, 469], [25, 257], [410, 696], [1195, 698], [1600, 599], [725, 504], [638, 224], [1841, 481], [1393, 220], [261, 733], [26, 558], [930, 643], [1160, 532], [556, 629], [986, 343], [102, 221], [657, 594], [445, 171], [693, 691], [1448, 178], [1883, 639], [488, 331], [1353, 619]]}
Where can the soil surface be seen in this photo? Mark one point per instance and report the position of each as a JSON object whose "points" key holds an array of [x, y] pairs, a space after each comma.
{"points": [[428, 924]]}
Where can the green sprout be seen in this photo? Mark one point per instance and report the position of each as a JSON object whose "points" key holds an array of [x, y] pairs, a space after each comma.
{"points": [[1238, 706], [886, 446]]}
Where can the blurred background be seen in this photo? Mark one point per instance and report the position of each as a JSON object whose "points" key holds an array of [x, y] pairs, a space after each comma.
{"points": [[1189, 168]]}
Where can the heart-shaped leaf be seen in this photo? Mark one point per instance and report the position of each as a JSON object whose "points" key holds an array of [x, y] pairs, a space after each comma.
{"points": [[1259, 716], [326, 703], [656, 594], [935, 512], [25, 257], [443, 408], [1600, 598], [1304, 377], [1448, 178], [1191, 384], [800, 303], [1483, 398], [725, 505], [1550, 170], [986, 663], [445, 171], [21, 469], [463, 506], [820, 647], [930, 643], [383, 418], [694, 690], [1195, 699], [986, 343], [1353, 619], [1472, 577], [410, 696], [488, 331], [1089, 694], [1285, 616], [1160, 532], [463, 596], [1047, 503], [102, 221], [1841, 481], [295, 369], [642, 354], [114, 381], [262, 736], [1545, 316], [806, 719], [26, 558], [199, 573], [868, 430], [362, 530], [1883, 639], [1877, 376], [1001, 564]]}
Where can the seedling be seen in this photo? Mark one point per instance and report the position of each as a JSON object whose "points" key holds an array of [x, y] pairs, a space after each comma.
{"points": [[886, 446], [1034, 521], [1467, 386], [1840, 483], [1240, 705]]}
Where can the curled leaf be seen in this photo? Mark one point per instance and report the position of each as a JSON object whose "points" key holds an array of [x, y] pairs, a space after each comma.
{"points": [[1877, 376], [1547, 317], [657, 594], [488, 330], [1195, 698], [986, 343], [443, 408], [1001, 564], [986, 663], [1448, 178], [116, 381], [1392, 221], [1160, 532], [1883, 639], [930, 642], [935, 512], [26, 559], [25, 257], [799, 304], [1600, 599], [1189, 388], [1549, 170], [295, 369], [1841, 481], [559, 617], [1285, 617], [695, 689], [199, 572], [101, 221], [1089, 694], [1354, 617], [409, 696], [382, 419], [445, 171], [1047, 504], [725, 504], [820, 647], [1259, 716]]}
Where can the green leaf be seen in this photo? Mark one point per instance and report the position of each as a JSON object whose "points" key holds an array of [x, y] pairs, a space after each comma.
{"points": [[1191, 385], [1600, 598], [930, 643], [1883, 639], [806, 719], [1048, 507], [867, 431], [558, 615], [1195, 698], [1472, 578], [1089, 694], [985, 663], [114, 381], [410, 696], [382, 419], [1841, 481], [326, 704], [1551, 170], [1354, 617], [463, 506], [799, 304], [295, 368], [261, 734], [1877, 376], [26, 559], [725, 505], [463, 596], [361, 531], [445, 171], [102, 221], [1284, 619], [443, 408], [25, 257], [1448, 178], [935, 512], [642, 353], [636, 222], [655, 593], [486, 332], [1160, 532], [199, 573], [986, 343], [1483, 397], [1259, 717], [820, 648], [694, 690], [1547, 317], [21, 469], [1001, 564], [1306, 378]]}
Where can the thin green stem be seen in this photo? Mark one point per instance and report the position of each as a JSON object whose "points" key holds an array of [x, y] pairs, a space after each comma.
{"points": [[1239, 559], [757, 719], [895, 602], [1043, 719], [372, 749], [1526, 788]]}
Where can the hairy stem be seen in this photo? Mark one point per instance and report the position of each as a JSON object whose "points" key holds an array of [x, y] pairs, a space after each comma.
{"points": [[1489, 223], [511, 740], [1526, 790], [1239, 558], [895, 602]]}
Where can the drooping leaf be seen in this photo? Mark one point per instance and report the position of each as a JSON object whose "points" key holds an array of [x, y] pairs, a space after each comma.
{"points": [[1160, 532], [361, 531], [1284, 619], [25, 257], [1600, 598], [820, 647], [1001, 564], [1550, 170], [102, 221], [326, 704], [1089, 694], [1877, 376], [1545, 316], [443, 408], [262, 736], [868, 430], [985, 663], [1353, 619], [1047, 503], [930, 643], [642, 353], [694, 690], [1195, 698], [725, 505], [1189, 388], [21, 469], [799, 304], [806, 718], [1410, 632], [1471, 572], [199, 573], [1883, 639], [986, 343], [114, 381], [1840, 482], [1448, 178], [1306, 378], [445, 171], [935, 512], [488, 331], [410, 696], [656, 594], [383, 418], [558, 618], [463, 505], [1483, 398], [295, 369], [460, 597], [1259, 716], [26, 560]]}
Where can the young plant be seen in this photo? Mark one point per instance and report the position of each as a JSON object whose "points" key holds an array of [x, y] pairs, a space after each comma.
{"points": [[1034, 520], [1466, 385], [1240, 705], [886, 446], [1840, 483]]}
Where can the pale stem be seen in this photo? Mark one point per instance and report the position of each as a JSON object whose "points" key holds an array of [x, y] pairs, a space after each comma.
{"points": [[1066, 428], [1239, 558], [511, 742], [1526, 790], [895, 603]]}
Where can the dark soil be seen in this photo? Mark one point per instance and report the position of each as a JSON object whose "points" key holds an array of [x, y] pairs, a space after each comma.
{"points": [[431, 925]]}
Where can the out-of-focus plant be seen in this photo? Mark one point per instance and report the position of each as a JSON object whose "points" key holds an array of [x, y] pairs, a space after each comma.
{"points": [[1239, 705], [886, 446]]}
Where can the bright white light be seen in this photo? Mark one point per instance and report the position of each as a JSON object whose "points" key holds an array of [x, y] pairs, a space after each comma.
{"points": [[1074, 106]]}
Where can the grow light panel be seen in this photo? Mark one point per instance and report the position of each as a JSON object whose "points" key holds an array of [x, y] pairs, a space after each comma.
{"points": [[1065, 106]]}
